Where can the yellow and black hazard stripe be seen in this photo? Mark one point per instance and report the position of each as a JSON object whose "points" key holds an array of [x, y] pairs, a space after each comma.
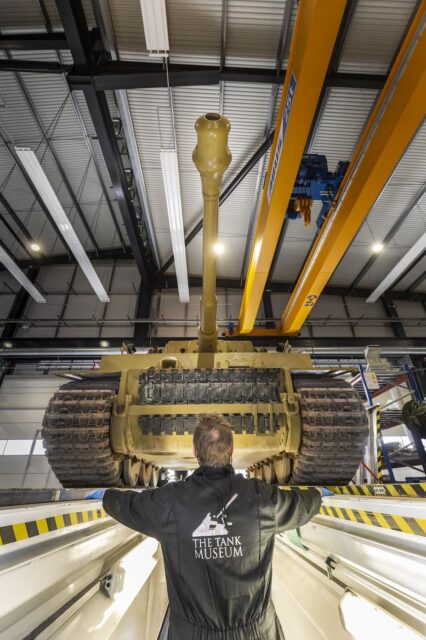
{"points": [[415, 526], [403, 490], [25, 530]]}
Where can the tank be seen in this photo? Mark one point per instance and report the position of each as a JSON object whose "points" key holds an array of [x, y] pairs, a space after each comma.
{"points": [[134, 417]]}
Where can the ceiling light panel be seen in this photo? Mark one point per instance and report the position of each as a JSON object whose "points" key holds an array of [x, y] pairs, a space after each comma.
{"points": [[170, 170], [154, 18], [50, 199], [7, 260]]}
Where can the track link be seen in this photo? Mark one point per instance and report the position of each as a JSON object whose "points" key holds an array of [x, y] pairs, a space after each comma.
{"points": [[335, 432], [209, 386], [76, 434]]}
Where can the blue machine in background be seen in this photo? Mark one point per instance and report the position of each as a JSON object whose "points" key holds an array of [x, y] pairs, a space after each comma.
{"points": [[314, 182]]}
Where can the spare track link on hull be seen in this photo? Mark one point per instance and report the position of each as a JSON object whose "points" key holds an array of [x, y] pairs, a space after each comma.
{"points": [[335, 432], [208, 386], [76, 434]]}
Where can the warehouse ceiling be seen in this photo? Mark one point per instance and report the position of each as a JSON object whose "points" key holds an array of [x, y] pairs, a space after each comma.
{"points": [[38, 110]]}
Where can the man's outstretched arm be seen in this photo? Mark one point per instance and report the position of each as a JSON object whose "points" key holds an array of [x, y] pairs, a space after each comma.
{"points": [[294, 508], [136, 510]]}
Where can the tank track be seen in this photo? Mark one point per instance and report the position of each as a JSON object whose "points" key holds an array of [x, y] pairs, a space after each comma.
{"points": [[76, 434], [76, 426], [335, 432]]}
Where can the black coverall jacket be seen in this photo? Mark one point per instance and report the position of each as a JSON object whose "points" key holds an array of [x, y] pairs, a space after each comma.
{"points": [[216, 531]]}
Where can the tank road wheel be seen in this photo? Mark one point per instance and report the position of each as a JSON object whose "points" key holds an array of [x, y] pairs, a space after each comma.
{"points": [[282, 468], [146, 473], [131, 471], [268, 472], [258, 472], [76, 434], [155, 476], [334, 432]]}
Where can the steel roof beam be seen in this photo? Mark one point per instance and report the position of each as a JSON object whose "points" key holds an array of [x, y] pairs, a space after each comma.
{"points": [[54, 41], [394, 121], [418, 281], [19, 305], [103, 17], [78, 37], [391, 312], [113, 75], [21, 226], [32, 348], [33, 66]]}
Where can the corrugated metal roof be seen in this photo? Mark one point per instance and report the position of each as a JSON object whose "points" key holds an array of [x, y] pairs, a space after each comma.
{"points": [[194, 31], [246, 106], [374, 34], [416, 272], [252, 36], [297, 241], [341, 122], [20, 15], [403, 188], [52, 101], [126, 16], [253, 32]]}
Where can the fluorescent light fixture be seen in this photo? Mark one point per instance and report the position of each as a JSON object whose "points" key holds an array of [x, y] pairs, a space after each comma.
{"points": [[377, 247], [399, 268], [169, 167], [219, 248], [154, 18], [364, 620], [19, 275], [44, 188]]}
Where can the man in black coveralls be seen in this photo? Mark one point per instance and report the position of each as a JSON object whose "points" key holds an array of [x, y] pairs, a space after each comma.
{"points": [[216, 531]]}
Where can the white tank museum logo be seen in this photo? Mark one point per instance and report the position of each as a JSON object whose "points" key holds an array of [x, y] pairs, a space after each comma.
{"points": [[212, 540]]}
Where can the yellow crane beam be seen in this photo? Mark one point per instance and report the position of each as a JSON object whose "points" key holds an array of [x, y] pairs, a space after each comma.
{"points": [[395, 119], [315, 33]]}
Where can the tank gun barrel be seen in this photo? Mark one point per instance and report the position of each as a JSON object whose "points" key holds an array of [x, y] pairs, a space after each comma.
{"points": [[211, 157]]}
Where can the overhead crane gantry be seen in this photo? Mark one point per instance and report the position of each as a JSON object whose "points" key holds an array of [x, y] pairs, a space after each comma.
{"points": [[394, 121], [315, 33]]}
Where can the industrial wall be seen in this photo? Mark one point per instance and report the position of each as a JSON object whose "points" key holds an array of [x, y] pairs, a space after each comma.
{"points": [[333, 316], [23, 400], [72, 305]]}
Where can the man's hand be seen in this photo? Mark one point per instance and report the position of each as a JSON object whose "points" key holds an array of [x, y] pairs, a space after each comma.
{"points": [[96, 495], [325, 492]]}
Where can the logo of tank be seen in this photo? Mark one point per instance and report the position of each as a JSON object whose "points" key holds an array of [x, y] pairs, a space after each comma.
{"points": [[212, 539]]}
